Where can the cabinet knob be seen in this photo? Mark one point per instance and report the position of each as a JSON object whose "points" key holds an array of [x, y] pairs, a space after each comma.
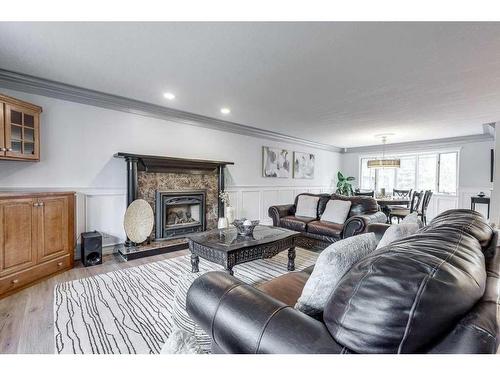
{"points": [[15, 281], [8, 149], [2, 149], [36, 204], [59, 264]]}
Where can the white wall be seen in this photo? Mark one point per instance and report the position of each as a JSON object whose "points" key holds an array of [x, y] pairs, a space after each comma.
{"points": [[474, 173], [78, 142]]}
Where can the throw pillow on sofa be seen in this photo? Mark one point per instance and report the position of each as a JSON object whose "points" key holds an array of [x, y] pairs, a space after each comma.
{"points": [[332, 264], [412, 219], [307, 206], [336, 211], [397, 232]]}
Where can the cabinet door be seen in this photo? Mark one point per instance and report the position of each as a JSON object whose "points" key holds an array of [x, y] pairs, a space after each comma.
{"points": [[2, 130], [21, 132], [17, 235], [52, 227]]}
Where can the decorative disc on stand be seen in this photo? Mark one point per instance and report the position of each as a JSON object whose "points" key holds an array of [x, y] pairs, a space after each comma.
{"points": [[138, 221]]}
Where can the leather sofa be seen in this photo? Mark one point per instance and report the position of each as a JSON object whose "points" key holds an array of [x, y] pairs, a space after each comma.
{"points": [[317, 233], [433, 292]]}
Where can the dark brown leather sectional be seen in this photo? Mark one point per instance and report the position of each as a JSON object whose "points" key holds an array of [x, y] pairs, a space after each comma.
{"points": [[319, 234], [433, 292]]}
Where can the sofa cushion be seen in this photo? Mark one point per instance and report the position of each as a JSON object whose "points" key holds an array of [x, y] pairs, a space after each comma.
{"points": [[307, 206], [336, 211], [286, 288], [297, 223], [359, 204], [325, 228], [429, 281], [331, 265]]}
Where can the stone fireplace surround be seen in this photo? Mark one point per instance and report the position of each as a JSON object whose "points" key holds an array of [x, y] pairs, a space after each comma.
{"points": [[149, 175]]}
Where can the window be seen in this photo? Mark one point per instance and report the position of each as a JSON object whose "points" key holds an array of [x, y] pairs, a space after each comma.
{"points": [[427, 168], [406, 174], [430, 171], [367, 180], [448, 173]]}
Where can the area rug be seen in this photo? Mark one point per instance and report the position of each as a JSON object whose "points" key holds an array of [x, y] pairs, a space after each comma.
{"points": [[130, 310]]}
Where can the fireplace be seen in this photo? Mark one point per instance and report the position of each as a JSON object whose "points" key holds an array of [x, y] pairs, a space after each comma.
{"points": [[179, 213]]}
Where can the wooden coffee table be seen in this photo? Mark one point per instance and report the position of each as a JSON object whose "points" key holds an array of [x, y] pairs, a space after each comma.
{"points": [[227, 248]]}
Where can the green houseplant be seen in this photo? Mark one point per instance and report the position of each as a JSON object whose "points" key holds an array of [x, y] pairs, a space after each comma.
{"points": [[344, 186]]}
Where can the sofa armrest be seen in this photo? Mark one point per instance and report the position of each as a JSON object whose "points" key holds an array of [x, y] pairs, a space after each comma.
{"points": [[277, 212], [358, 224], [242, 319]]}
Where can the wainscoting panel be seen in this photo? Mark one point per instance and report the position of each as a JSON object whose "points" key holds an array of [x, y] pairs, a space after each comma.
{"points": [[269, 198], [285, 196], [251, 204], [466, 194], [104, 212]]}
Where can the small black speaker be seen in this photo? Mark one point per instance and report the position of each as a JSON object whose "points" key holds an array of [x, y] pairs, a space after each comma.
{"points": [[91, 248]]}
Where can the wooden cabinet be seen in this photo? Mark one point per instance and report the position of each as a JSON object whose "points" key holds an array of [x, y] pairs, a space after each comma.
{"points": [[19, 129], [36, 237]]}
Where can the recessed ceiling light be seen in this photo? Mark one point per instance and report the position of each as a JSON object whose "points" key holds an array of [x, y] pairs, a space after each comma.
{"points": [[169, 96], [225, 110]]}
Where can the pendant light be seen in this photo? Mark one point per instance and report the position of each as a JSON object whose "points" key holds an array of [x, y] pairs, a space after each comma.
{"points": [[384, 162]]}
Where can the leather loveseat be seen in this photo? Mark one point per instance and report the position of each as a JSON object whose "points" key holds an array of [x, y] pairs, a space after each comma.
{"points": [[317, 233], [433, 292]]}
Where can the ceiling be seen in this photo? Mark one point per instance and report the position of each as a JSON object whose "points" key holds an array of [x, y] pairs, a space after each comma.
{"points": [[334, 83]]}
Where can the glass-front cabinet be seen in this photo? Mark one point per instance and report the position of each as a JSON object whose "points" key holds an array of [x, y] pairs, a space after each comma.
{"points": [[19, 129]]}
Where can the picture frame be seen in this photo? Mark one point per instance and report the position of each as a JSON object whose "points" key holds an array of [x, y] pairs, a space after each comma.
{"points": [[276, 162], [303, 165]]}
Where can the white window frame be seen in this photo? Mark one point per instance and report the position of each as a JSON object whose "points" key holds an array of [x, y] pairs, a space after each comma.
{"points": [[416, 155]]}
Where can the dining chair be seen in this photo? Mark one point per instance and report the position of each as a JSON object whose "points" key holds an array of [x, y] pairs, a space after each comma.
{"points": [[425, 204], [401, 213], [402, 194], [370, 193]]}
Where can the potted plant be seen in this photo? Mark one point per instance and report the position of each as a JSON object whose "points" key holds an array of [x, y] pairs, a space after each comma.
{"points": [[344, 186]]}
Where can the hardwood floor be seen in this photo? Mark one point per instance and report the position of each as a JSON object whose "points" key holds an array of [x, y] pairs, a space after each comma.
{"points": [[26, 317]]}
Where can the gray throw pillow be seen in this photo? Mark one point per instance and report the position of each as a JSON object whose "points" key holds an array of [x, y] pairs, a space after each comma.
{"points": [[332, 264], [307, 206], [397, 232], [413, 219], [336, 211]]}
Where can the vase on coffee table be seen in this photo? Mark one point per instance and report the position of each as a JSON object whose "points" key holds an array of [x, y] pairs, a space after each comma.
{"points": [[229, 214]]}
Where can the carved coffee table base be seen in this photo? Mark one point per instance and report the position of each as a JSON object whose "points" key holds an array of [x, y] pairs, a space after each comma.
{"points": [[229, 259]]}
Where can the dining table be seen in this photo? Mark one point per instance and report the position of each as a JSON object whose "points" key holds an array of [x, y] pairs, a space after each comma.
{"points": [[385, 204]]}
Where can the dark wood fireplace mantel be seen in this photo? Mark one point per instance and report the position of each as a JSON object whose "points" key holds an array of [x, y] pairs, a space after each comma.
{"points": [[152, 163], [166, 164]]}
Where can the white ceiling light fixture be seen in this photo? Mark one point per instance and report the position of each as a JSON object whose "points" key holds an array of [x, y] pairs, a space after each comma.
{"points": [[169, 96], [225, 110], [384, 162]]}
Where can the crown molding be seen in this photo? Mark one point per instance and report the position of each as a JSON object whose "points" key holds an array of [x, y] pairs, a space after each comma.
{"points": [[421, 145], [40, 86]]}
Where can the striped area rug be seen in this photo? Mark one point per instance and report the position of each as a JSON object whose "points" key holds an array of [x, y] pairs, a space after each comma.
{"points": [[130, 310]]}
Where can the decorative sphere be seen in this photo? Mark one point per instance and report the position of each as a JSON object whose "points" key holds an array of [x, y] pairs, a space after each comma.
{"points": [[139, 220]]}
